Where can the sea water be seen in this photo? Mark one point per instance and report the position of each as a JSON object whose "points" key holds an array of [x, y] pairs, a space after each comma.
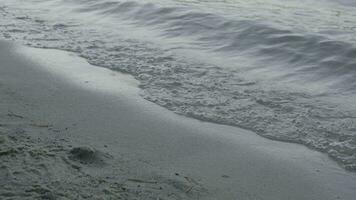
{"points": [[285, 69]]}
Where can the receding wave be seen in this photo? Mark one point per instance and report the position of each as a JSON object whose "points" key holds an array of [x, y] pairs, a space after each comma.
{"points": [[281, 81], [304, 52]]}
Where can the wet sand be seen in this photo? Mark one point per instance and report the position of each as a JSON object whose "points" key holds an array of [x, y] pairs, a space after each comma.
{"points": [[70, 130]]}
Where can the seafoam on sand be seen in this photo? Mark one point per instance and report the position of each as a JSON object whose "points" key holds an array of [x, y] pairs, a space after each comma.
{"points": [[286, 74], [40, 160]]}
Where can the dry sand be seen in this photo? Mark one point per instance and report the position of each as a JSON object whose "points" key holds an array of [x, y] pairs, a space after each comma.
{"points": [[69, 130]]}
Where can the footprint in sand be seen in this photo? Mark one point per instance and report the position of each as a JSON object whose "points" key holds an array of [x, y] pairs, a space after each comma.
{"points": [[88, 155]]}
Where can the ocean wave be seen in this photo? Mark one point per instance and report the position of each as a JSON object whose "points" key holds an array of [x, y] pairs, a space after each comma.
{"points": [[304, 52], [281, 82]]}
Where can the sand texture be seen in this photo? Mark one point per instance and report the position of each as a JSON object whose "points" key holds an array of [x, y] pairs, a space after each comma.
{"points": [[70, 130]]}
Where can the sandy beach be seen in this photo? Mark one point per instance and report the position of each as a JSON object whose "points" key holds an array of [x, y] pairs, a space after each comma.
{"points": [[70, 130]]}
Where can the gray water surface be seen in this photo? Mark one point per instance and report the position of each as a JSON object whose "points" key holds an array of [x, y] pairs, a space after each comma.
{"points": [[284, 69]]}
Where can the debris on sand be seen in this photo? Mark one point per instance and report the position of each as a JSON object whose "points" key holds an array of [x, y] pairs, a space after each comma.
{"points": [[41, 125], [11, 114], [141, 181]]}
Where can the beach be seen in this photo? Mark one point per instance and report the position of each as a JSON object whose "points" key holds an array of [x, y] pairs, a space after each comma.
{"points": [[71, 130]]}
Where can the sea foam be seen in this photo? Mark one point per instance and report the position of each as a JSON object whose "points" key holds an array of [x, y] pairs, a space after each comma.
{"points": [[287, 74]]}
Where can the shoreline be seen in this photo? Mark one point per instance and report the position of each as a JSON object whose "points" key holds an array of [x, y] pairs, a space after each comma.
{"points": [[309, 108], [56, 97]]}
